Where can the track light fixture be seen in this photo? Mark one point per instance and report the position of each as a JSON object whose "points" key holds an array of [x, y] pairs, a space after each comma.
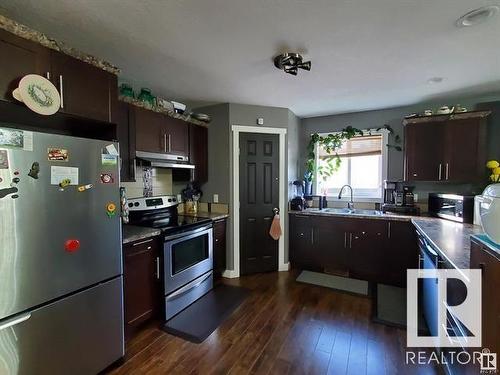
{"points": [[291, 62]]}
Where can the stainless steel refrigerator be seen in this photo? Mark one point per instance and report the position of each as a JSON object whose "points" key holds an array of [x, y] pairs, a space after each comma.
{"points": [[61, 303]]}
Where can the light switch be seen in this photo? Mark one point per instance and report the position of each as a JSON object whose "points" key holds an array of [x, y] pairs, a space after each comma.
{"points": [[216, 198], [260, 121]]}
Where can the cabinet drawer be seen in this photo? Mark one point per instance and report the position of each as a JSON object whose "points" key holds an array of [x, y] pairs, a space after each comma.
{"points": [[139, 247]]}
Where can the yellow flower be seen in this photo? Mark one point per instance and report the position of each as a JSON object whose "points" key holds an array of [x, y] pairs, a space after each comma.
{"points": [[492, 164], [495, 178], [496, 171]]}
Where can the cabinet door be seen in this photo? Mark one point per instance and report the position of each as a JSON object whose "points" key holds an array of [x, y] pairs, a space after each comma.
{"points": [[141, 275], [126, 137], [490, 266], [19, 58], [219, 246], [400, 253], [149, 132], [198, 152], [177, 133], [465, 150], [330, 238], [367, 240], [300, 240], [424, 148]]}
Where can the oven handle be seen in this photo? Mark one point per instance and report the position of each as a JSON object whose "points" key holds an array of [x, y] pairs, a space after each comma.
{"points": [[186, 288], [188, 233]]}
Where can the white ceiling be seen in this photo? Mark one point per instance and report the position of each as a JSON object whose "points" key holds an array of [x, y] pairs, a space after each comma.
{"points": [[366, 54]]}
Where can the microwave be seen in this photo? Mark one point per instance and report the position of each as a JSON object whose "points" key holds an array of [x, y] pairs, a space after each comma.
{"points": [[453, 207]]}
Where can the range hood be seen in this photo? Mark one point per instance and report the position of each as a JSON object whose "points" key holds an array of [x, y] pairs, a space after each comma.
{"points": [[164, 160]]}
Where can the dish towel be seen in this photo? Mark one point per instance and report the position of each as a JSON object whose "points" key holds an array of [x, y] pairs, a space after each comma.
{"points": [[275, 231]]}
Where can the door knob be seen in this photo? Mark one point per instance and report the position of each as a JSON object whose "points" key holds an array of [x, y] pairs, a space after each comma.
{"points": [[276, 210]]}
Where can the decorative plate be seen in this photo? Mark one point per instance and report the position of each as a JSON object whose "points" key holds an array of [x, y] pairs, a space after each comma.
{"points": [[39, 94]]}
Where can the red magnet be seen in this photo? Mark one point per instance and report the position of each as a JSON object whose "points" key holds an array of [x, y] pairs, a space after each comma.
{"points": [[71, 246]]}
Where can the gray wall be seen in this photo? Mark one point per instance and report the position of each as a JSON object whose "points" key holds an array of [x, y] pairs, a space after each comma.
{"points": [[394, 117], [221, 155]]}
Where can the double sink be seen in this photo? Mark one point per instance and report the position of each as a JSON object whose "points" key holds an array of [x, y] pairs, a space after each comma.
{"points": [[351, 211]]}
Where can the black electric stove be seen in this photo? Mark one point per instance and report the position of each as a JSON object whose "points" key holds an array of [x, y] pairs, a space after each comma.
{"points": [[161, 213]]}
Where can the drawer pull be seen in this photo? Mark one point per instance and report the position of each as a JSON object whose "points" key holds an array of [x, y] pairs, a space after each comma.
{"points": [[142, 243]]}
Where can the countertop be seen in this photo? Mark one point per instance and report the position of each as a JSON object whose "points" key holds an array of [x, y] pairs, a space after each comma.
{"points": [[450, 239], [209, 215], [386, 216], [132, 233]]}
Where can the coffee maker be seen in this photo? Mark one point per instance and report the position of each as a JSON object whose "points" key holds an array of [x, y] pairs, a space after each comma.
{"points": [[298, 202], [398, 198]]}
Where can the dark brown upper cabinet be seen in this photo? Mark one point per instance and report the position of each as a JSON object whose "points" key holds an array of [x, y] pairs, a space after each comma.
{"points": [[159, 133], [177, 136], [85, 90], [198, 152], [126, 137], [149, 132], [446, 147], [19, 58]]}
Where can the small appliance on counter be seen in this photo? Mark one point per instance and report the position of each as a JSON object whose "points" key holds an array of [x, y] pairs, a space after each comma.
{"points": [[399, 198], [455, 207], [490, 212], [298, 203]]}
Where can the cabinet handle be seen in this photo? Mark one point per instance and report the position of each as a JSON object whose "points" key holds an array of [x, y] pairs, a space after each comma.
{"points": [[389, 230], [447, 170], [350, 240], [169, 143], [216, 240], [345, 240], [439, 172], [61, 90], [165, 142], [48, 75], [312, 236], [157, 268], [142, 243]]}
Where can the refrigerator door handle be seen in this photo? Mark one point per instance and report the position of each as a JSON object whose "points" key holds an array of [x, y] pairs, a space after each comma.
{"points": [[15, 320]]}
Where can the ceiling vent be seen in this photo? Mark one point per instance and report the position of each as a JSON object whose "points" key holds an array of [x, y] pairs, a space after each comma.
{"points": [[477, 16], [291, 63]]}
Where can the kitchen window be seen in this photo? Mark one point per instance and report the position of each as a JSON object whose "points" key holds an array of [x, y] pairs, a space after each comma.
{"points": [[363, 166]]}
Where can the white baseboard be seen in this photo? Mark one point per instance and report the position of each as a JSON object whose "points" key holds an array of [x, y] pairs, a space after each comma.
{"points": [[284, 267], [230, 274]]}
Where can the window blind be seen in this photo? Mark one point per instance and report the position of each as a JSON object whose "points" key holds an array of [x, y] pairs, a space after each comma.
{"points": [[357, 146]]}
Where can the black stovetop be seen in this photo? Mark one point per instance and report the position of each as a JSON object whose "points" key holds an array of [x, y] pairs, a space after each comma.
{"points": [[174, 224]]}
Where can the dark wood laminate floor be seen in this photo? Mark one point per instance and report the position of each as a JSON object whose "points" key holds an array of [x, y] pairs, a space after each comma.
{"points": [[284, 327]]}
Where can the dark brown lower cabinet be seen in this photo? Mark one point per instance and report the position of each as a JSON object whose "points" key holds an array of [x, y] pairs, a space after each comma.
{"points": [[482, 258], [370, 249], [142, 282], [219, 245]]}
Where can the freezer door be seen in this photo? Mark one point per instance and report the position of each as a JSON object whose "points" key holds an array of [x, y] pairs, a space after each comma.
{"points": [[53, 240], [80, 334]]}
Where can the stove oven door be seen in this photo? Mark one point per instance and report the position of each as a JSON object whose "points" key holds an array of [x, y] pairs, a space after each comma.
{"points": [[187, 256]]}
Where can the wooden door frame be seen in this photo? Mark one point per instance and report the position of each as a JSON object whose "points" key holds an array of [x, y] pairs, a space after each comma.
{"points": [[237, 129]]}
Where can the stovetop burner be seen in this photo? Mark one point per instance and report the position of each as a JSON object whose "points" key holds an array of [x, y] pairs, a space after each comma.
{"points": [[176, 224]]}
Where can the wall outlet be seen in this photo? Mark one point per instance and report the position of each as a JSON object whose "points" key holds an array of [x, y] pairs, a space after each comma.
{"points": [[260, 121], [179, 198], [415, 197], [216, 198]]}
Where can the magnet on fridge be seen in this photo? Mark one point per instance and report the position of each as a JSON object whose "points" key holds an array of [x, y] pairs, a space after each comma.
{"points": [[34, 170], [111, 209], [82, 188], [107, 178], [64, 183]]}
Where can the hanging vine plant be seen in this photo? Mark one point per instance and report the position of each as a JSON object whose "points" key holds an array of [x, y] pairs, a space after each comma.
{"points": [[332, 142]]}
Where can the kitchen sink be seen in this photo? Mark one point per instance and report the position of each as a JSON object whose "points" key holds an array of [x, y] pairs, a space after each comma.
{"points": [[353, 211]]}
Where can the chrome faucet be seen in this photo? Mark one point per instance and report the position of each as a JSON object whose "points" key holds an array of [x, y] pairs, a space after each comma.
{"points": [[350, 204]]}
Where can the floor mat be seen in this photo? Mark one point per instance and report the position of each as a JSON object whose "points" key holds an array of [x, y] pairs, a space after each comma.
{"points": [[334, 282], [199, 320]]}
